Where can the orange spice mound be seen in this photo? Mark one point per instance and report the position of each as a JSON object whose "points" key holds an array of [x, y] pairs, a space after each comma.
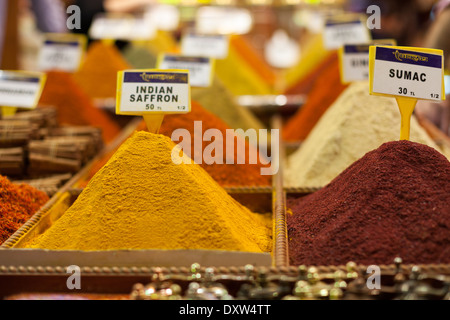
{"points": [[306, 83], [253, 58], [74, 105], [326, 89], [97, 75], [17, 204], [227, 175]]}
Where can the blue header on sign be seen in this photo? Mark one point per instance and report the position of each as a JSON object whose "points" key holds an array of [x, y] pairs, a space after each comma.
{"points": [[339, 23], [155, 77], [409, 57], [186, 59], [356, 48], [66, 43]]}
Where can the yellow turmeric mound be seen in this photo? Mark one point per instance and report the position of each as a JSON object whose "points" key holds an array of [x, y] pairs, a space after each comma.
{"points": [[141, 199]]}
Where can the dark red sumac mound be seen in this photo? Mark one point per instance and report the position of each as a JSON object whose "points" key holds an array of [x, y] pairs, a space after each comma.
{"points": [[394, 201]]}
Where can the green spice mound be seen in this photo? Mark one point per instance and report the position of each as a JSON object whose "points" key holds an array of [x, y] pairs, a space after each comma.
{"points": [[141, 199], [219, 101], [140, 57]]}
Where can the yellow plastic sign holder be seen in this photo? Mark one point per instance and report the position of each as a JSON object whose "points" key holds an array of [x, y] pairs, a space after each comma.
{"points": [[8, 111], [406, 105], [152, 119], [12, 110], [108, 42], [153, 122]]}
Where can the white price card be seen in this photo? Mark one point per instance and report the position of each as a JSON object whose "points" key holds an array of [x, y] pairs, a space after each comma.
{"points": [[337, 33], [62, 52], [223, 20], [447, 84], [407, 72], [165, 17], [200, 68], [122, 27], [21, 89], [153, 91], [212, 46], [354, 60]]}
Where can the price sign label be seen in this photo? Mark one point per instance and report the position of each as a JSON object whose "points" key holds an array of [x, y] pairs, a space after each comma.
{"points": [[200, 68], [21, 89], [338, 32], [223, 20], [212, 46], [62, 52], [153, 91], [122, 27], [407, 72], [354, 60]]}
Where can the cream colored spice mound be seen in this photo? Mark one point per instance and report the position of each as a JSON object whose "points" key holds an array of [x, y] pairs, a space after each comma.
{"points": [[141, 200], [355, 124]]}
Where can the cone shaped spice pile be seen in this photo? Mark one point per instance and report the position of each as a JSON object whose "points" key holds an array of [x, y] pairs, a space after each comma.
{"points": [[392, 202], [227, 175], [74, 106], [314, 54], [326, 88], [354, 125], [98, 73], [218, 100], [305, 84], [141, 199], [253, 58], [17, 204]]}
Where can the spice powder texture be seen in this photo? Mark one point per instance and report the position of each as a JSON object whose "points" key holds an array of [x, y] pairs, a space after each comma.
{"points": [[17, 204], [141, 199], [97, 75], [392, 202]]}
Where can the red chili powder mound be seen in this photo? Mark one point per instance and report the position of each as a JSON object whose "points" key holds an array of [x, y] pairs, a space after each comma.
{"points": [[394, 201], [74, 105], [326, 89], [17, 204]]}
